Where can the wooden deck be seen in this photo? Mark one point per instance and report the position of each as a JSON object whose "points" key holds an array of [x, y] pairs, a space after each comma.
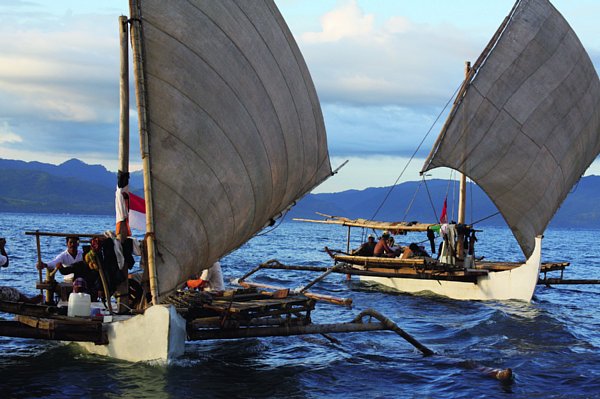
{"points": [[428, 268]]}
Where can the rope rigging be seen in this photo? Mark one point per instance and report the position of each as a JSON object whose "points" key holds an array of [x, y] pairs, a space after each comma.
{"points": [[414, 153]]}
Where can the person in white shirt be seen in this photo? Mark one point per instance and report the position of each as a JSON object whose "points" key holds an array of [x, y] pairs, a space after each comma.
{"points": [[211, 279], [66, 258]]}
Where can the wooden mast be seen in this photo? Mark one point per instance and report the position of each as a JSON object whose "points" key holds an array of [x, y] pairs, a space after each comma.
{"points": [[124, 98], [136, 44], [462, 194], [123, 288]]}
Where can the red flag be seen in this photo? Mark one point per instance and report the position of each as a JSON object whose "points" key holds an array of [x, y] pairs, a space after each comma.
{"points": [[137, 212], [130, 210], [444, 216]]}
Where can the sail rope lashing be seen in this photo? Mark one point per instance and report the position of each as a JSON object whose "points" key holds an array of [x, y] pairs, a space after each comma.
{"points": [[274, 225], [485, 218], [415, 153]]}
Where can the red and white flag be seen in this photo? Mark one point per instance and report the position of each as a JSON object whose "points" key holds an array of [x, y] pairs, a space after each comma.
{"points": [[444, 215], [137, 212], [130, 211]]}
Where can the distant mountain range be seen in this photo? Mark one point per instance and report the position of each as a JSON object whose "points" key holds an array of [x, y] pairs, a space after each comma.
{"points": [[71, 187], [78, 188]]}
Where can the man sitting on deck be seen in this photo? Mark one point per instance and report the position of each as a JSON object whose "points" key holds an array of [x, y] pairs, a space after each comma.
{"points": [[66, 258], [367, 248], [382, 248]]}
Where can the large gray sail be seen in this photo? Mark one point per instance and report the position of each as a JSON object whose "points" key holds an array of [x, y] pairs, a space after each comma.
{"points": [[233, 125], [528, 125]]}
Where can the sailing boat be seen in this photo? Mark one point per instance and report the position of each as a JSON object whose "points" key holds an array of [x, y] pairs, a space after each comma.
{"points": [[524, 127], [231, 134]]}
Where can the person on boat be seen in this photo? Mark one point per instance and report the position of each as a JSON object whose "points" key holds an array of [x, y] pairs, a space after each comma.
{"points": [[66, 258], [367, 248], [382, 248], [397, 249], [413, 251], [3, 254], [84, 271], [9, 293], [211, 279]]}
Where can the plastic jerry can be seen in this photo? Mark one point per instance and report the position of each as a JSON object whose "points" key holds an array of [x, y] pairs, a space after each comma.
{"points": [[79, 304]]}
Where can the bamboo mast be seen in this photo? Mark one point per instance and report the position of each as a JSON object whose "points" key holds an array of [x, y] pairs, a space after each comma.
{"points": [[140, 94], [124, 98], [462, 194], [123, 288]]}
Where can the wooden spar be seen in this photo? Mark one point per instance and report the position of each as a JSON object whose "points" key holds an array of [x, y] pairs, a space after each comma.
{"points": [[122, 289], [470, 276], [49, 234], [283, 331], [462, 192], [321, 277], [104, 284], [348, 240], [311, 295], [39, 259], [138, 69], [356, 325], [124, 97], [557, 281], [57, 332], [363, 223]]}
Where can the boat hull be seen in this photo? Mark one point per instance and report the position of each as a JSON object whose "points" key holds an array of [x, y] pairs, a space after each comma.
{"points": [[158, 335], [516, 284]]}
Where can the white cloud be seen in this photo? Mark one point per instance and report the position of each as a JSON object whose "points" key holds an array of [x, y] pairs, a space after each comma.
{"points": [[64, 70], [7, 135], [345, 21], [358, 59]]}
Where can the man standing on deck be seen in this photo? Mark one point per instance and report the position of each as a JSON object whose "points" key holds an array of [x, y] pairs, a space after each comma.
{"points": [[66, 258]]}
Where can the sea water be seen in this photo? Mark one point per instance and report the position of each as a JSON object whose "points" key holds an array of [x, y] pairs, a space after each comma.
{"points": [[552, 343]]}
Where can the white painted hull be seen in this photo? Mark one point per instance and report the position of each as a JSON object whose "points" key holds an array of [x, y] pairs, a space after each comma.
{"points": [[518, 283], [158, 335]]}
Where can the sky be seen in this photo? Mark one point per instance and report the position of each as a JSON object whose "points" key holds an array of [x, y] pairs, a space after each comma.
{"points": [[383, 69]]}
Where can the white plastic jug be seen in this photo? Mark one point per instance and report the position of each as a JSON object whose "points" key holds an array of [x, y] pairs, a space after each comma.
{"points": [[79, 304]]}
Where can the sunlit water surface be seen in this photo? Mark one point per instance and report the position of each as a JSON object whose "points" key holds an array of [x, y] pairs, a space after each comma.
{"points": [[552, 344]]}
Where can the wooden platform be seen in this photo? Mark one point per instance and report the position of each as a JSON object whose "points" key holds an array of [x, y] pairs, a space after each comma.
{"points": [[48, 322], [244, 307]]}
